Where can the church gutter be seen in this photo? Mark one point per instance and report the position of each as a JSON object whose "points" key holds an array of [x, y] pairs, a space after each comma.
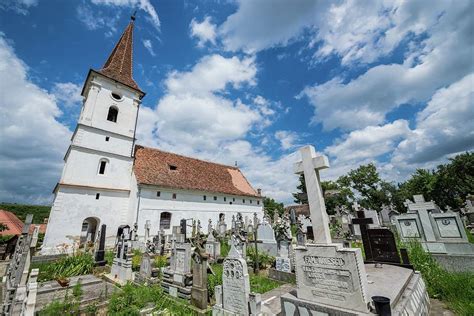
{"points": [[138, 204]]}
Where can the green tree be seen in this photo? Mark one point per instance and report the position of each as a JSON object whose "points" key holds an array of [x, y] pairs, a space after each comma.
{"points": [[300, 196], [270, 206], [454, 181], [335, 194]]}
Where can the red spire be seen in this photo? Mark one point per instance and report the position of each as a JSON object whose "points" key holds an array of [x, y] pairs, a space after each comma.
{"points": [[119, 65]]}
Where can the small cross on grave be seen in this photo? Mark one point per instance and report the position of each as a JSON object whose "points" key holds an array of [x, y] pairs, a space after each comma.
{"points": [[364, 224], [310, 166], [422, 208]]}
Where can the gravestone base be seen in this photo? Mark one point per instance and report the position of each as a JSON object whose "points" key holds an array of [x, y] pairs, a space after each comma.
{"points": [[407, 293], [268, 247], [154, 279], [177, 284], [282, 276], [455, 263], [199, 298]]}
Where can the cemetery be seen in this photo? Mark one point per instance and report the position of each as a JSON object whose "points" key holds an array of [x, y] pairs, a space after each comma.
{"points": [[267, 266], [137, 230]]}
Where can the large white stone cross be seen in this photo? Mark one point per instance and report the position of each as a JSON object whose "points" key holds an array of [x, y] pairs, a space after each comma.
{"points": [[310, 166]]}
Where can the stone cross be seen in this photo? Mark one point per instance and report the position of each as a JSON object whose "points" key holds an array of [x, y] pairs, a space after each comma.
{"points": [[364, 225], [355, 206], [421, 207], [100, 253], [147, 230], [209, 227], [310, 166]]}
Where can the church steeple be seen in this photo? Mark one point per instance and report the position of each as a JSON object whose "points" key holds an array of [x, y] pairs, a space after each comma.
{"points": [[119, 65]]}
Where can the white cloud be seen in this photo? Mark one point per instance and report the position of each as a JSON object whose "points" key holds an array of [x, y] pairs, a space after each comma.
{"points": [[287, 139], [262, 24], [368, 143], [149, 46], [94, 19], [443, 57], [19, 6], [444, 127], [197, 118], [67, 93], [33, 142], [204, 31], [144, 5]]}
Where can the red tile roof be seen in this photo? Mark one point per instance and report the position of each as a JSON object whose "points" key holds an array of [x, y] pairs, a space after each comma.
{"points": [[15, 225], [154, 167], [119, 65]]}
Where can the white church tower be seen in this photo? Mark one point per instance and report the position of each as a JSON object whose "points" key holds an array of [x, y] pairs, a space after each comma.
{"points": [[95, 184]]}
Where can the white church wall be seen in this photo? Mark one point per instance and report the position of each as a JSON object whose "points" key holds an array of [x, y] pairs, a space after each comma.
{"points": [[190, 204], [97, 104], [73, 205], [82, 168], [93, 138]]}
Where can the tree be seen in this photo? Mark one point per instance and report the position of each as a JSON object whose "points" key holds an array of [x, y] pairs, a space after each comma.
{"points": [[270, 206], [454, 181], [335, 194], [300, 196]]}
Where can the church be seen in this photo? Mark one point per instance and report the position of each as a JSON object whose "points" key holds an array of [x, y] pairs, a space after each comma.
{"points": [[108, 179]]}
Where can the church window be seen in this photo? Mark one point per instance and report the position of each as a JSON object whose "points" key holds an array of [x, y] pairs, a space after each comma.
{"points": [[215, 198], [258, 202], [250, 201], [174, 196], [116, 96], [173, 167], [233, 199], [102, 166], [97, 196], [165, 220], [107, 138], [204, 197], [225, 199], [112, 115], [243, 200], [158, 193]]}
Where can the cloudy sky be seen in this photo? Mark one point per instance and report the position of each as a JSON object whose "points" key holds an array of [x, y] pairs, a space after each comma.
{"points": [[390, 82]]}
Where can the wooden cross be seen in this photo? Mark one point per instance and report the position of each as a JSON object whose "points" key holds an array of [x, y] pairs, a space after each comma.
{"points": [[363, 224]]}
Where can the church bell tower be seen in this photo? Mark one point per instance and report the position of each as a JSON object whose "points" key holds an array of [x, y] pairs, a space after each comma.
{"points": [[96, 180]]}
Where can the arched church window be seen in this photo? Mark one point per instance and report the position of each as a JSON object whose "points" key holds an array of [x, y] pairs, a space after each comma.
{"points": [[103, 166], [165, 220], [113, 114]]}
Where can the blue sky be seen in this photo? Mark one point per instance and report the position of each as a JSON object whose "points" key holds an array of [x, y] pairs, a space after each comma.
{"points": [[246, 81]]}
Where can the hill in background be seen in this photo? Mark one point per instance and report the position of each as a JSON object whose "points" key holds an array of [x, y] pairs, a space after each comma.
{"points": [[40, 212]]}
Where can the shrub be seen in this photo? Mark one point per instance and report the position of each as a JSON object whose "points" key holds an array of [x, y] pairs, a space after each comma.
{"points": [[225, 248], [136, 259], [264, 259], [69, 306], [109, 257], [77, 264], [456, 289], [160, 262]]}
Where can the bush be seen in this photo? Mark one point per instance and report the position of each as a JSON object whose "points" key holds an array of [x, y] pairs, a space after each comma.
{"points": [[225, 248], [264, 259], [77, 264], [109, 257], [160, 262], [455, 289], [136, 259], [133, 298], [214, 280]]}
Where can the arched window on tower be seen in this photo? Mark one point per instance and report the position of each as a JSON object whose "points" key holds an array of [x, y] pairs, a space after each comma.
{"points": [[165, 220], [103, 165], [113, 114]]}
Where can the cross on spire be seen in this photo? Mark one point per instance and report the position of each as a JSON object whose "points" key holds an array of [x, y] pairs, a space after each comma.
{"points": [[310, 166]]}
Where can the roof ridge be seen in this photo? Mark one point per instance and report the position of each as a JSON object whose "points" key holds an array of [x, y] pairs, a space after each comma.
{"points": [[197, 159]]}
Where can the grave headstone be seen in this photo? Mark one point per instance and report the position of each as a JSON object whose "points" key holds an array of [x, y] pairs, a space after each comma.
{"points": [[222, 226], [199, 295], [213, 248], [100, 253], [177, 278], [235, 288], [121, 270], [266, 238], [327, 274]]}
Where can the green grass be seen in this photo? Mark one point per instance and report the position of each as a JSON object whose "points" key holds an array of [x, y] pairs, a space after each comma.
{"points": [[455, 289], [40, 212], [225, 248], [470, 237], [258, 283], [133, 298], [78, 264]]}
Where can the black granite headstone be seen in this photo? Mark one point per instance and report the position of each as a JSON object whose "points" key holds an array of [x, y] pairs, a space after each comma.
{"points": [[100, 253], [382, 245], [364, 224]]}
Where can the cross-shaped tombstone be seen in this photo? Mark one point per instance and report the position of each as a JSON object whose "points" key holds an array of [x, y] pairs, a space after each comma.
{"points": [[422, 208], [364, 224], [310, 166], [147, 230]]}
